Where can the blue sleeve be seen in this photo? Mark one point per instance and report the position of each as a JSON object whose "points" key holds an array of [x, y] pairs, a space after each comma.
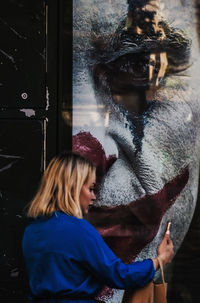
{"points": [[99, 259]]}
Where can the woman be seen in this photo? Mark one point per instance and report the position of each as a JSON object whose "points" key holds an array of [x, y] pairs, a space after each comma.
{"points": [[66, 258]]}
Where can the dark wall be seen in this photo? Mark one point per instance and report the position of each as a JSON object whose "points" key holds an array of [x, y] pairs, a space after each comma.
{"points": [[31, 127]]}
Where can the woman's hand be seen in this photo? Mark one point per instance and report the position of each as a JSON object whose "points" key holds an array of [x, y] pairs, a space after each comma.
{"points": [[166, 249]]}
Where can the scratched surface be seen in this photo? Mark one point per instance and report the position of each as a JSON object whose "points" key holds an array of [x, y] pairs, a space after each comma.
{"points": [[22, 93], [22, 53]]}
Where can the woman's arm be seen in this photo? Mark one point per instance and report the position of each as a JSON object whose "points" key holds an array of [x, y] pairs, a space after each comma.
{"points": [[102, 263], [99, 259]]}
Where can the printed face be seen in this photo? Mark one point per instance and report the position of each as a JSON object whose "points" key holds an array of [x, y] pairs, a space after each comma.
{"points": [[136, 115], [87, 196]]}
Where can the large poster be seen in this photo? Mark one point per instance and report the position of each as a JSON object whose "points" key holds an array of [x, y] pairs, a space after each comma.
{"points": [[136, 115]]}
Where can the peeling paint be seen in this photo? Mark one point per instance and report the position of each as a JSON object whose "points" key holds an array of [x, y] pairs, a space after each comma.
{"points": [[14, 273], [47, 98], [28, 112], [19, 216]]}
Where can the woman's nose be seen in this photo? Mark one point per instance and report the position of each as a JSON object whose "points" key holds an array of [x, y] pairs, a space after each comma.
{"points": [[93, 196]]}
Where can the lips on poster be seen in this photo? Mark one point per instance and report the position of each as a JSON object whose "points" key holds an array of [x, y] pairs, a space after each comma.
{"points": [[136, 115]]}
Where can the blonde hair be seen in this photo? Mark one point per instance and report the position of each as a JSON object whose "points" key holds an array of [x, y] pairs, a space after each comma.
{"points": [[61, 185]]}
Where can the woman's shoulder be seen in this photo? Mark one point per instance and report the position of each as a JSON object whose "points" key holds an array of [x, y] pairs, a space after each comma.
{"points": [[82, 233], [77, 223], [61, 223]]}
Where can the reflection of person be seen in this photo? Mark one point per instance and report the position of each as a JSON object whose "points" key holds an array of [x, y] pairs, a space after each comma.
{"points": [[136, 71], [66, 258]]}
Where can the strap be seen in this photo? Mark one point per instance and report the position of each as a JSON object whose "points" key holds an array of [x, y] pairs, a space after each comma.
{"points": [[162, 274], [161, 269]]}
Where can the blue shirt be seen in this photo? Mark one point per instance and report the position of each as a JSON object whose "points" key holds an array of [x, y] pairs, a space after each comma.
{"points": [[67, 258]]}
